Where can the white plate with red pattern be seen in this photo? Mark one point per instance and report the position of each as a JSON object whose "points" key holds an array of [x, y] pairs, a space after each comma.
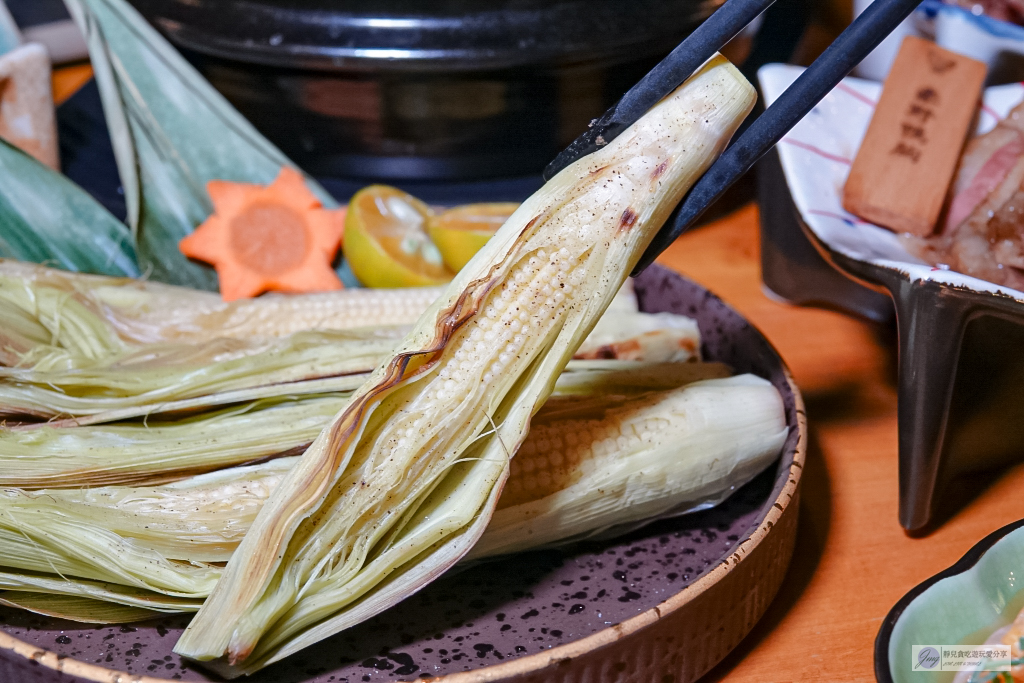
{"points": [[816, 156]]}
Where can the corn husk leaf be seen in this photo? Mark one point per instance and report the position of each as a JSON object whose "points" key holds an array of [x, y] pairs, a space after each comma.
{"points": [[43, 321], [153, 451], [146, 312], [151, 540], [46, 218], [183, 408], [156, 375], [67, 355], [172, 132], [366, 518], [97, 591], [652, 337], [75, 547], [162, 449], [630, 377], [74, 608], [161, 379], [200, 520]]}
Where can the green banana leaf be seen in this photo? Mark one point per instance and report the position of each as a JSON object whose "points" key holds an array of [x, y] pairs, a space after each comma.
{"points": [[171, 133], [45, 218]]}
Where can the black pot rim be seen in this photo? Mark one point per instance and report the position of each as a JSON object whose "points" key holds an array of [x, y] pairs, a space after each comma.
{"points": [[461, 37]]}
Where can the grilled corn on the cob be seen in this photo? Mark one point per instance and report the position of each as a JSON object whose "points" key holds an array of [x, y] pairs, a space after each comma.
{"points": [[65, 360], [590, 463], [143, 312], [161, 449], [586, 474], [143, 380], [403, 482]]}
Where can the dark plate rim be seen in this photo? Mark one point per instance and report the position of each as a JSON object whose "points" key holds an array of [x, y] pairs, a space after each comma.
{"points": [[883, 672]]}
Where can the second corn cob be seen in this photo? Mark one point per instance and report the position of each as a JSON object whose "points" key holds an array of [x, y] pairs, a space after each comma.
{"points": [[143, 312], [591, 462], [164, 449]]}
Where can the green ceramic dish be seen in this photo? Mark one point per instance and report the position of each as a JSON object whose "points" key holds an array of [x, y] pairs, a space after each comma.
{"points": [[962, 605]]}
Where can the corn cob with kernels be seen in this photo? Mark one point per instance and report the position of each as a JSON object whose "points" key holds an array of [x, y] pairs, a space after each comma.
{"points": [[402, 484], [665, 453], [166, 447], [140, 312], [590, 464]]}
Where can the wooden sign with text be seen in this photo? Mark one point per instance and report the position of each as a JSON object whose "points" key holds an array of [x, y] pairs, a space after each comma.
{"points": [[906, 162]]}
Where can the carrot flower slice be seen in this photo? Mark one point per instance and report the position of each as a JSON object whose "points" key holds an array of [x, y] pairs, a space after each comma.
{"points": [[273, 238]]}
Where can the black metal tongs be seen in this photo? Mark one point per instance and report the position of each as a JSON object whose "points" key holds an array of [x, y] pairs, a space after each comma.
{"points": [[852, 45]]}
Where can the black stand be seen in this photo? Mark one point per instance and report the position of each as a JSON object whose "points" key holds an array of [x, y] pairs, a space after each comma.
{"points": [[960, 366]]}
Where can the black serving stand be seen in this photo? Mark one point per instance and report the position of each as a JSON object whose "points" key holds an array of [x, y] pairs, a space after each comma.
{"points": [[961, 410]]}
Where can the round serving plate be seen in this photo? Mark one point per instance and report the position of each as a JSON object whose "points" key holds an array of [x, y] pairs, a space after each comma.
{"points": [[665, 603]]}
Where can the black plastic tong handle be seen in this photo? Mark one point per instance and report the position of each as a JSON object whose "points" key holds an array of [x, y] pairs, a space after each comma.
{"points": [[853, 44], [670, 72]]}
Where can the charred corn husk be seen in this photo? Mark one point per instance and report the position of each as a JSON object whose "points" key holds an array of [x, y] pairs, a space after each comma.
{"points": [[654, 337], [590, 464], [162, 449], [403, 482]]}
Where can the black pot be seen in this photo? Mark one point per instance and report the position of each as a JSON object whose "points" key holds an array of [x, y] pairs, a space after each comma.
{"points": [[403, 89]]}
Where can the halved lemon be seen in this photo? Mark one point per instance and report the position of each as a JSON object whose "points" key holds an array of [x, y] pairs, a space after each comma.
{"points": [[386, 241], [461, 232]]}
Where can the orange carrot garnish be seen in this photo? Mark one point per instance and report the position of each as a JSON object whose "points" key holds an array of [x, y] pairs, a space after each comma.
{"points": [[273, 238]]}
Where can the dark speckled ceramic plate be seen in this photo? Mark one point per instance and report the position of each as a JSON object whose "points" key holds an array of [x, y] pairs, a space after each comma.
{"points": [[663, 604]]}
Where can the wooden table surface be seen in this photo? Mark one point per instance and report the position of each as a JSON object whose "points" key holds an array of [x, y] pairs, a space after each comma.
{"points": [[852, 561]]}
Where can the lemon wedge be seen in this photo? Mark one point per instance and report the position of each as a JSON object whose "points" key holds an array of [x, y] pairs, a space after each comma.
{"points": [[460, 232], [386, 241]]}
